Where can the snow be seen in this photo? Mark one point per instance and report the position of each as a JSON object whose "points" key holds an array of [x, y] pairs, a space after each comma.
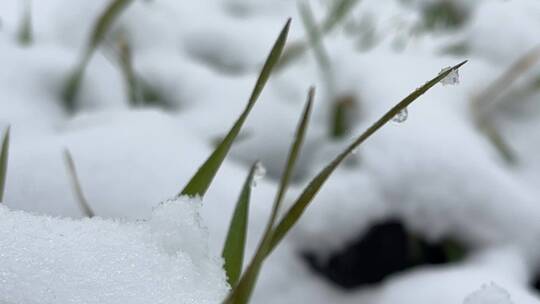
{"points": [[61, 260], [437, 173], [459, 284], [489, 293]]}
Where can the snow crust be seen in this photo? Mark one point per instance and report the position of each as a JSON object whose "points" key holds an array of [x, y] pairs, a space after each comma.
{"points": [[61, 260]]}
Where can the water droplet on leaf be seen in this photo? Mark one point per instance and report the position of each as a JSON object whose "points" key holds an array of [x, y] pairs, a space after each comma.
{"points": [[401, 116], [452, 78], [260, 172]]}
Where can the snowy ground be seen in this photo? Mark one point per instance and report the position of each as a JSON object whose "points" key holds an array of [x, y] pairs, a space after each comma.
{"points": [[437, 173]]}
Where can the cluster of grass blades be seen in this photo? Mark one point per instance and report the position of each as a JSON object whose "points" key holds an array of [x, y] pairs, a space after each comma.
{"points": [[243, 283], [482, 105], [99, 31]]}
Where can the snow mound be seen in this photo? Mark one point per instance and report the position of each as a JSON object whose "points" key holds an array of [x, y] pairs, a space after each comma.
{"points": [[489, 294], [163, 260]]}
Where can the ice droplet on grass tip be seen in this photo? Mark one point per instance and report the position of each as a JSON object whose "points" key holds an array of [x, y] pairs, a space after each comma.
{"points": [[452, 78], [401, 116], [260, 172], [489, 294]]}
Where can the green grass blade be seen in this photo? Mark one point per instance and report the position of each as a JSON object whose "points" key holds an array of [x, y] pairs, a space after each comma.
{"points": [[340, 123], [71, 87], [202, 179], [4, 156], [25, 35], [100, 29], [105, 21], [235, 243], [81, 199], [316, 44], [292, 216], [242, 292], [293, 156], [314, 35], [293, 51], [125, 59]]}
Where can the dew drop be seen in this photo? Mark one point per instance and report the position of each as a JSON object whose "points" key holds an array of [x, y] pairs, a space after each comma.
{"points": [[260, 172], [452, 78], [401, 116]]}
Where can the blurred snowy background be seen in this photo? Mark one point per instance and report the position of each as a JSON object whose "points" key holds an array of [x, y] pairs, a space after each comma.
{"points": [[441, 208]]}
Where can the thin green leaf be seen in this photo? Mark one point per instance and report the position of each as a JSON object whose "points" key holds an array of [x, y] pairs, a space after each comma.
{"points": [[316, 43], [4, 156], [25, 35], [293, 51], [293, 214], [100, 29], [340, 123], [314, 35], [81, 199], [242, 292], [125, 58], [105, 21], [235, 244], [202, 179]]}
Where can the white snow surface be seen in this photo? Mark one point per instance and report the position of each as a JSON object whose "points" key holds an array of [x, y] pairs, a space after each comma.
{"points": [[61, 260], [489, 293]]}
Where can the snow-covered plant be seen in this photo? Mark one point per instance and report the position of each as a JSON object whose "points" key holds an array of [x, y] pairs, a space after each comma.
{"points": [[276, 229], [241, 279]]}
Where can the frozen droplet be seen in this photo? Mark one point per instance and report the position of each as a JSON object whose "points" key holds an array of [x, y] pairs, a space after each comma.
{"points": [[354, 151], [489, 294], [401, 116], [452, 78], [258, 174]]}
